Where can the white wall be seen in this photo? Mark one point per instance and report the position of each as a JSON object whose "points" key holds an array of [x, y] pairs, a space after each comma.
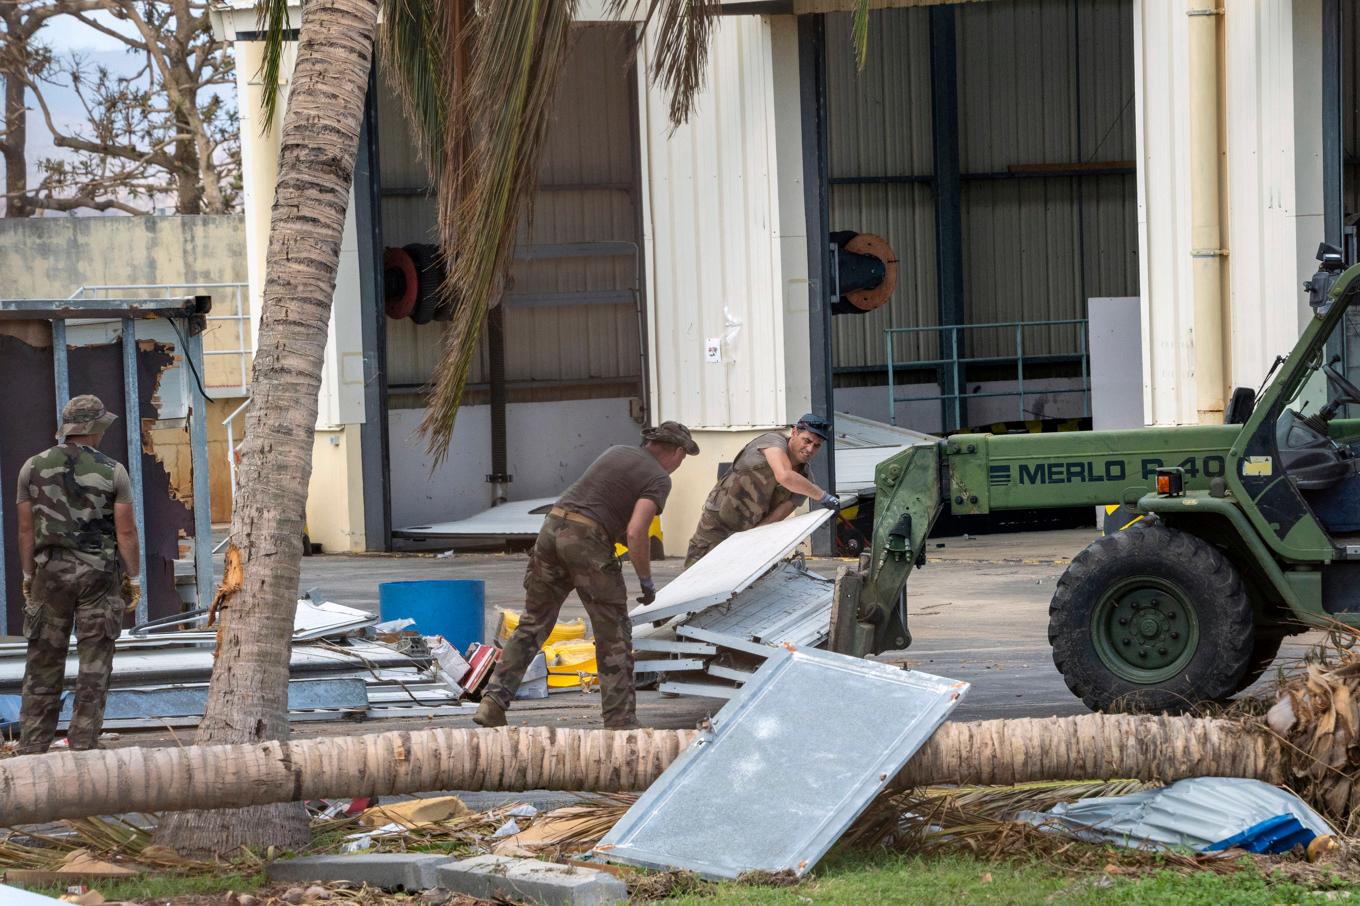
{"points": [[924, 415], [549, 446], [724, 235], [1273, 198]]}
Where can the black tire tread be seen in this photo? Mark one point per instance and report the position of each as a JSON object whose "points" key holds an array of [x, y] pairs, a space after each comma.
{"points": [[1231, 641]]}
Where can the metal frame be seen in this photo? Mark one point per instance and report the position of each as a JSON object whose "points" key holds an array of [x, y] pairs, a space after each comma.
{"points": [[948, 191], [954, 365], [127, 311]]}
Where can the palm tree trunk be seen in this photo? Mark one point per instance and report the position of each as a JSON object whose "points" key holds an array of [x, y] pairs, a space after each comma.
{"points": [[247, 699], [38, 788]]}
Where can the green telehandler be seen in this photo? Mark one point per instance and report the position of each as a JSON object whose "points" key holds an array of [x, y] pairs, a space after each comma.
{"points": [[1250, 530]]}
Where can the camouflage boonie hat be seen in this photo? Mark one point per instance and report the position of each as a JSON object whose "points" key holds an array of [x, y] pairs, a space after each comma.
{"points": [[672, 433], [84, 414]]}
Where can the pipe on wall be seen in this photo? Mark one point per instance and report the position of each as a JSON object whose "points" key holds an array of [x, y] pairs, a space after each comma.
{"points": [[1206, 227]]}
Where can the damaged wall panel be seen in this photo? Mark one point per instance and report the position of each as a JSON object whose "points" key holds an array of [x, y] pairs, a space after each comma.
{"points": [[28, 413]]}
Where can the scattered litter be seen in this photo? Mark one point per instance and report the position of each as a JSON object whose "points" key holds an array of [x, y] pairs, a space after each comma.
{"points": [[561, 632], [713, 810], [1204, 814], [535, 682], [413, 813], [451, 665], [481, 661], [445, 555], [571, 665], [359, 844], [391, 626], [522, 811], [508, 829]]}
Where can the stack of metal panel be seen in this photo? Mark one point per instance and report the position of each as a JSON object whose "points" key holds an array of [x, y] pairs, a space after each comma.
{"points": [[710, 629]]}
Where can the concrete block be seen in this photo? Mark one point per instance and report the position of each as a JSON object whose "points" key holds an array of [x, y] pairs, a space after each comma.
{"points": [[529, 880], [390, 871]]}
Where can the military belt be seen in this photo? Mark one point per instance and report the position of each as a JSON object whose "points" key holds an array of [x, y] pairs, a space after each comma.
{"points": [[569, 516]]}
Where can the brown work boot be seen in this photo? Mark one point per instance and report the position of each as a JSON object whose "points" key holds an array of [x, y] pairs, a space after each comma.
{"points": [[490, 714]]}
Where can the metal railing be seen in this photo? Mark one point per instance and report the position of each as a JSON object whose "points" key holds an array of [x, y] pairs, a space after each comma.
{"points": [[234, 317], [952, 367]]}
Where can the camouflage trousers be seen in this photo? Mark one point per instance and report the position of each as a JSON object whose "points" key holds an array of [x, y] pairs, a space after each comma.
{"points": [[710, 533], [570, 555], [68, 593]]}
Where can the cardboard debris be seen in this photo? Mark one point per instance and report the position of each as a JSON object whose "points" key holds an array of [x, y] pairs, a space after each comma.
{"points": [[79, 865], [414, 812], [550, 830]]}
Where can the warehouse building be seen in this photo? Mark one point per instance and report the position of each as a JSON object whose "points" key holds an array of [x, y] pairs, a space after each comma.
{"points": [[1021, 158]]}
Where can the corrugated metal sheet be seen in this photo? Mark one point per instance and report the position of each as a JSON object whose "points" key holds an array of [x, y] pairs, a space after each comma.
{"points": [[1040, 82], [587, 194], [714, 237]]}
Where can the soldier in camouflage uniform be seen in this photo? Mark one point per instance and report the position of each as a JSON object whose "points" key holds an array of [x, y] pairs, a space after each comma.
{"points": [[768, 481], [75, 518], [618, 496]]}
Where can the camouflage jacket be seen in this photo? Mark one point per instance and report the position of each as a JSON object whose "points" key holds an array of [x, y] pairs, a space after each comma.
{"points": [[749, 491], [73, 489]]}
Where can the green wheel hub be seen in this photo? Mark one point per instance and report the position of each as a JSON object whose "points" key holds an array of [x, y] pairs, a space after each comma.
{"points": [[1144, 630]]}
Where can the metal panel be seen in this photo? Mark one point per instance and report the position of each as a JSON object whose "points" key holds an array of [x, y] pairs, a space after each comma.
{"points": [[788, 604], [516, 519], [755, 792], [587, 194], [714, 239], [349, 693], [730, 568]]}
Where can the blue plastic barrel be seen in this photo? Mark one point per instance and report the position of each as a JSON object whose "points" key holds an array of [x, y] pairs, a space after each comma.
{"points": [[453, 608]]}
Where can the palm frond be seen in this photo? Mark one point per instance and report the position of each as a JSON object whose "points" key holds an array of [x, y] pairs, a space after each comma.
{"points": [[860, 33], [417, 44], [518, 50], [271, 17], [680, 56]]}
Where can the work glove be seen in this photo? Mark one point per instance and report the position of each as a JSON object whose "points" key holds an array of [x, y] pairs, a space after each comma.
{"points": [[648, 591], [28, 587], [132, 591], [830, 501]]}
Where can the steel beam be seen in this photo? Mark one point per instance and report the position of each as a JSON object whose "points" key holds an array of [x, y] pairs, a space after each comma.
{"points": [[944, 130], [56, 309], [61, 370], [1333, 172], [198, 447], [132, 418], [812, 98]]}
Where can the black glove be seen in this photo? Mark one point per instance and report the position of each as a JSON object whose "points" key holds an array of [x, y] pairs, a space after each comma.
{"points": [[830, 501], [648, 591]]}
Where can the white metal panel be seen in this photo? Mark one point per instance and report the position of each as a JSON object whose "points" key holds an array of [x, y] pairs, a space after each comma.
{"points": [[730, 568], [711, 227]]}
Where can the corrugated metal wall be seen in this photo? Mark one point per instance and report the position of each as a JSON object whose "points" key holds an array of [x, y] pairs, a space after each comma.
{"points": [[1041, 83], [568, 319]]}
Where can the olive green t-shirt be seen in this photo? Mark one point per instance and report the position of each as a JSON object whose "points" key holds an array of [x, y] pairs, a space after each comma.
{"points": [[613, 485]]}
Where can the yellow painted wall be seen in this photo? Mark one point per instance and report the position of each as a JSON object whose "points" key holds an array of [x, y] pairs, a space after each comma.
{"points": [[691, 483], [171, 444], [335, 500]]}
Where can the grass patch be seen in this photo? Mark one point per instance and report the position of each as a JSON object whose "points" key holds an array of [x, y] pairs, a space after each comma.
{"points": [[856, 880], [153, 886]]}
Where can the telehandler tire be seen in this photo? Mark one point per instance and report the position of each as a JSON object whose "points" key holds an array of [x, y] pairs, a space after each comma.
{"points": [[1151, 620]]}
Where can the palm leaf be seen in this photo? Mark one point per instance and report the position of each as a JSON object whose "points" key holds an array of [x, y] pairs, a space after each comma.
{"points": [[684, 29], [860, 33], [271, 17], [415, 45], [518, 48]]}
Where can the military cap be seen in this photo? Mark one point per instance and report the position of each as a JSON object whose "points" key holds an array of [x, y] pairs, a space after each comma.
{"points": [[84, 414], [672, 433]]}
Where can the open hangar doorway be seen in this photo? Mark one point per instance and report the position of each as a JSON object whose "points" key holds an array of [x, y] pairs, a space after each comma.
{"points": [[560, 373], [992, 145]]}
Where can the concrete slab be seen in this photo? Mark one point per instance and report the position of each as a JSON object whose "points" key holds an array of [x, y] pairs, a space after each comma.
{"points": [[390, 871], [529, 880]]}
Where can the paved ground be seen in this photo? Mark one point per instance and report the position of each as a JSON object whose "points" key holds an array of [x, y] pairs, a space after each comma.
{"points": [[978, 612]]}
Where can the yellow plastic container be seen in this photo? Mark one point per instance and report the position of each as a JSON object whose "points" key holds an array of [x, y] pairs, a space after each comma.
{"points": [[562, 632], [570, 663]]}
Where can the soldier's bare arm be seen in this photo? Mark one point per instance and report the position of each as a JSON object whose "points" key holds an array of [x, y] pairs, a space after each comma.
{"points": [[639, 547], [786, 476], [26, 561], [778, 514], [125, 524]]}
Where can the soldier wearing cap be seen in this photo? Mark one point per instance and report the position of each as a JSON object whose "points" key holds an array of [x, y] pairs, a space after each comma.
{"points": [[617, 498], [75, 519], [768, 481]]}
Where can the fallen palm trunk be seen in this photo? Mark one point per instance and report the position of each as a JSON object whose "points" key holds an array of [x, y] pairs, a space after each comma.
{"points": [[37, 788]]}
